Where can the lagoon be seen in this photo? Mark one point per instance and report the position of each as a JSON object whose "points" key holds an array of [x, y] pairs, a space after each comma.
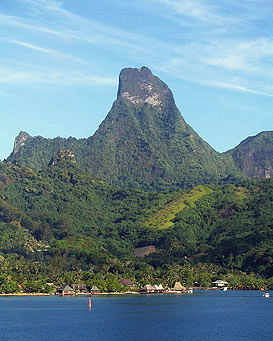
{"points": [[203, 315]]}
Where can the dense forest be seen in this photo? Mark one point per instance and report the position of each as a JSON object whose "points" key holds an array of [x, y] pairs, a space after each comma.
{"points": [[59, 225]]}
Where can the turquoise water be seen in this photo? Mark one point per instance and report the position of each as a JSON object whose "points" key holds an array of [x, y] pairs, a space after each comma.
{"points": [[207, 315]]}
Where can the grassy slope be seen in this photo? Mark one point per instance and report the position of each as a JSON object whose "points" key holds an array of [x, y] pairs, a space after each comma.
{"points": [[162, 218]]}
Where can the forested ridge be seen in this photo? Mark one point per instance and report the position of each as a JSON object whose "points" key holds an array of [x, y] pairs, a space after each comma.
{"points": [[143, 142], [60, 225]]}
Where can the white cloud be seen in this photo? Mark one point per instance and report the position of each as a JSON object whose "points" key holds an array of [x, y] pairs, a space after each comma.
{"points": [[17, 22], [240, 88], [69, 28], [215, 53], [38, 77], [190, 12], [249, 56], [30, 46], [195, 9], [55, 53]]}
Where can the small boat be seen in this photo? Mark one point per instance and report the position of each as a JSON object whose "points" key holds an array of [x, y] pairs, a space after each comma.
{"points": [[224, 289], [266, 294]]}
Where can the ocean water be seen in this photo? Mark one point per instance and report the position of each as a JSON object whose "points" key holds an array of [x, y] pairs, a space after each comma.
{"points": [[204, 315]]}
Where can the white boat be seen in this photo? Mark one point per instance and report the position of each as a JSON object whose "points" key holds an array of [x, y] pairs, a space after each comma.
{"points": [[224, 289], [266, 294]]}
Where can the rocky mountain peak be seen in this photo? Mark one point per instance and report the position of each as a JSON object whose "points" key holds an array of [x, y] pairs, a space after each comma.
{"points": [[20, 141], [143, 142], [140, 86]]}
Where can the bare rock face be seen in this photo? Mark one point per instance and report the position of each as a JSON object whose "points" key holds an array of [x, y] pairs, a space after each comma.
{"points": [[20, 141], [140, 86]]}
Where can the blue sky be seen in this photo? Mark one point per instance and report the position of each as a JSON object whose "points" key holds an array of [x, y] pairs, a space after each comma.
{"points": [[60, 61]]}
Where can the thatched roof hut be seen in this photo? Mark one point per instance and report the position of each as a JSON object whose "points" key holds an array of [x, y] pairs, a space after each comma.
{"points": [[95, 289], [65, 290], [179, 287], [220, 283], [160, 287], [147, 288]]}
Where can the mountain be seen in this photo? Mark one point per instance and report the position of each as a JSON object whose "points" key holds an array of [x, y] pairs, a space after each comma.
{"points": [[62, 213], [143, 142], [61, 220], [254, 155], [36, 152]]}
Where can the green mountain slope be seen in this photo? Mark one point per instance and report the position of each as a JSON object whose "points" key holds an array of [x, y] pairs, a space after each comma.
{"points": [[60, 218], [254, 155], [231, 226], [143, 142], [163, 218], [62, 200]]}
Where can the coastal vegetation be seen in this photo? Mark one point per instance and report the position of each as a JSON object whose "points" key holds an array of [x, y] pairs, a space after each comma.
{"points": [[59, 225]]}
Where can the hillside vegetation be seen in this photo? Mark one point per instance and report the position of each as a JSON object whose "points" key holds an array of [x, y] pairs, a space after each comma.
{"points": [[60, 222], [163, 218], [254, 155]]}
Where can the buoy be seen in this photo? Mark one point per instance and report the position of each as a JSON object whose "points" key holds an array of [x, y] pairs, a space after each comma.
{"points": [[89, 303]]}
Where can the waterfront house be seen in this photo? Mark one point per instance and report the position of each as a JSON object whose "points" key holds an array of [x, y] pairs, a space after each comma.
{"points": [[95, 290], [220, 284], [65, 290], [127, 283], [179, 287], [159, 288], [147, 289]]}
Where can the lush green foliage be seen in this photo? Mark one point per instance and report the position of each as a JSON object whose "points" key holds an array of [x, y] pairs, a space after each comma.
{"points": [[253, 156], [60, 225], [164, 217]]}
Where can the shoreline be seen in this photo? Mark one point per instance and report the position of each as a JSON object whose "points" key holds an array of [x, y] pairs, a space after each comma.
{"points": [[117, 293], [26, 294]]}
